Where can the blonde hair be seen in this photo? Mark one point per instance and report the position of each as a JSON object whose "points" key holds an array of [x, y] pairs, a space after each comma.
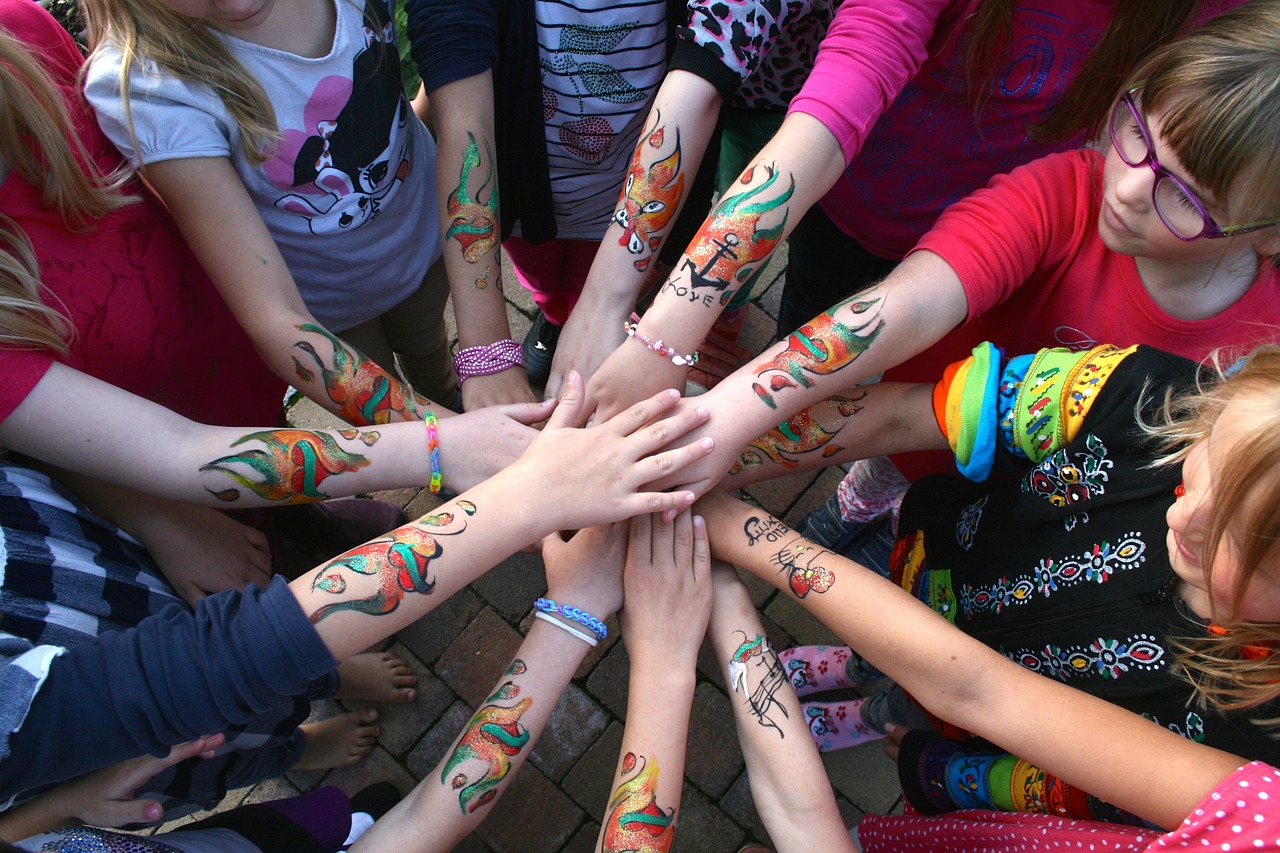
{"points": [[150, 30], [1218, 92], [1240, 667], [38, 142]]}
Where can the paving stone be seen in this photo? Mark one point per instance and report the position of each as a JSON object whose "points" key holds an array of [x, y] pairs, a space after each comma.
{"points": [[813, 497], [757, 330], [533, 814], [584, 840], [472, 844], [423, 503], [402, 725], [713, 758], [424, 757], [703, 827], [378, 766], [849, 813], [590, 781], [737, 804], [608, 683], [777, 495], [865, 776], [792, 618], [575, 724], [272, 789], [432, 634], [399, 497], [512, 586], [476, 659]]}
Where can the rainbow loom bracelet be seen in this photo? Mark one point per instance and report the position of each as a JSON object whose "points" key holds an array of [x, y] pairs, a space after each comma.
{"points": [[586, 638], [582, 617], [433, 450], [631, 327]]}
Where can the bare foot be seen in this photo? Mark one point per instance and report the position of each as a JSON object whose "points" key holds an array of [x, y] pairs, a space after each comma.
{"points": [[376, 677], [338, 741]]}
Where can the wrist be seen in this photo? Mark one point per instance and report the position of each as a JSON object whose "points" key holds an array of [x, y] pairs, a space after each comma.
{"points": [[488, 359]]}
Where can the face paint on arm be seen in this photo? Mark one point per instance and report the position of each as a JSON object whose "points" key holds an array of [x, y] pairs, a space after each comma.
{"points": [[757, 658], [801, 434], [361, 391], [291, 464], [650, 196], [636, 821], [472, 222], [735, 243], [398, 563], [820, 347], [493, 736]]}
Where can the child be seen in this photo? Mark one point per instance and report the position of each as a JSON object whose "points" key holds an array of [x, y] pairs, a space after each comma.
{"points": [[290, 121], [1090, 567], [1059, 268], [247, 649]]}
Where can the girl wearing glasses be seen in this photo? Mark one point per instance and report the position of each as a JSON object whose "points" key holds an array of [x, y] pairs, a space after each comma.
{"points": [[1071, 250]]}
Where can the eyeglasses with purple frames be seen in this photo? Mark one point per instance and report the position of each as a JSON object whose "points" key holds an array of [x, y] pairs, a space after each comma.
{"points": [[1181, 210]]}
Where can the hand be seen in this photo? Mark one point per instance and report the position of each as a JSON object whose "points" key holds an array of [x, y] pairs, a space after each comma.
{"points": [[104, 797], [667, 588], [586, 571], [497, 389], [585, 477], [201, 551], [586, 340], [630, 373], [476, 445], [709, 469]]}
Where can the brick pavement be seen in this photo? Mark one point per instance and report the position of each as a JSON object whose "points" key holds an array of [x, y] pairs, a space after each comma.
{"points": [[555, 802]]}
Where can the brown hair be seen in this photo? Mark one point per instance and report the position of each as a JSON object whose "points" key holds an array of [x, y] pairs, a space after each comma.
{"points": [[1138, 25], [1240, 667]]}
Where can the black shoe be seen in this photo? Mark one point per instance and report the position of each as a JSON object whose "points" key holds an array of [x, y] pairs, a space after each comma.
{"points": [[540, 349]]}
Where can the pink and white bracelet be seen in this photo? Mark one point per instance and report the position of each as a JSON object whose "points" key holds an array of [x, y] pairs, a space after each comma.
{"points": [[488, 359], [631, 328]]}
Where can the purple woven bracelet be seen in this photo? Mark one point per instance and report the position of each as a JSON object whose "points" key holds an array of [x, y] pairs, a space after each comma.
{"points": [[488, 359]]}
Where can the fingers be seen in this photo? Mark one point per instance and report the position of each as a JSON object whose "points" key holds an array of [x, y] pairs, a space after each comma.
{"points": [[640, 542], [125, 812], [702, 549], [630, 420], [529, 413], [568, 412], [894, 734]]}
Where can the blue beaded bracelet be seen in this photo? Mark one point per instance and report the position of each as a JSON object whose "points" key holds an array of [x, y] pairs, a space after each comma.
{"points": [[582, 617]]}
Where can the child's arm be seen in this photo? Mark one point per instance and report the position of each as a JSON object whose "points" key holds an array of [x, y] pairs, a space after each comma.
{"points": [[1120, 757], [787, 775], [179, 674], [919, 302], [468, 195], [865, 421], [668, 595], [584, 573], [174, 457], [212, 208], [661, 172]]}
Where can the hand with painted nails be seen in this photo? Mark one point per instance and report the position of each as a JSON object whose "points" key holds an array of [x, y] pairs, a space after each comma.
{"points": [[586, 571], [104, 797], [594, 476]]}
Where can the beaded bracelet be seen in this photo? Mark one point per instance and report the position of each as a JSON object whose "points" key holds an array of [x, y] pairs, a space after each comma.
{"points": [[582, 617], [433, 450], [590, 641], [631, 327], [490, 358]]}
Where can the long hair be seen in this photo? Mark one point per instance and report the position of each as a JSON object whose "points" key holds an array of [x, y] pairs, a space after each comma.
{"points": [[1138, 25], [1218, 92], [1238, 668], [149, 31], [38, 142]]}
